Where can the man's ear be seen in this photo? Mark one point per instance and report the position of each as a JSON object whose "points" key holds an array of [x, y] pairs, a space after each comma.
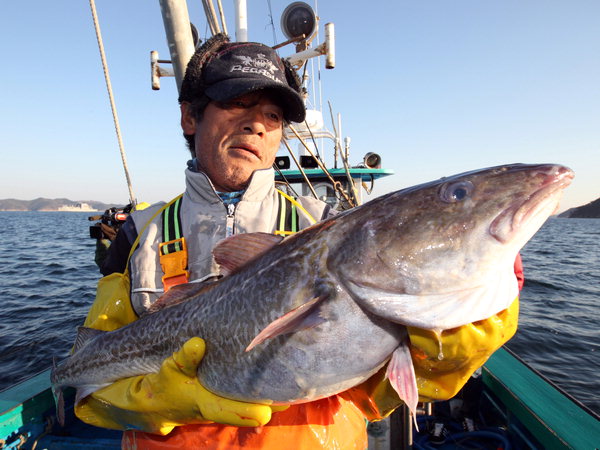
{"points": [[188, 121]]}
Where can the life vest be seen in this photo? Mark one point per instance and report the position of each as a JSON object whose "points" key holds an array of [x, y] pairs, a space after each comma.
{"points": [[173, 252]]}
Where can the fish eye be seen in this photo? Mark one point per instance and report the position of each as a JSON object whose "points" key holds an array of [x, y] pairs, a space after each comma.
{"points": [[456, 191]]}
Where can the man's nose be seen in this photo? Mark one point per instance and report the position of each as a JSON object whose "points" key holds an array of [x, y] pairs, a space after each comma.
{"points": [[254, 121]]}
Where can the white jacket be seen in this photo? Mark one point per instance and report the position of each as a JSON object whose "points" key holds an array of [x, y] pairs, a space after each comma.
{"points": [[204, 220]]}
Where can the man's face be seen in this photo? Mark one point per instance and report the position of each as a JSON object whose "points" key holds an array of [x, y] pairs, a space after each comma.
{"points": [[235, 138]]}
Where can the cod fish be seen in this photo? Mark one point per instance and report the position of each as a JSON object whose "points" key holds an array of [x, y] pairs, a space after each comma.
{"points": [[319, 312]]}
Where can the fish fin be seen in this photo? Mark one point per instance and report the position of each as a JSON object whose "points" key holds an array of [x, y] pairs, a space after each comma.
{"points": [[179, 294], [401, 373], [236, 251], [85, 334], [59, 400], [303, 317]]}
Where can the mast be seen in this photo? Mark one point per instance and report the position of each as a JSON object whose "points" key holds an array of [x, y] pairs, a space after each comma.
{"points": [[241, 21], [179, 35]]}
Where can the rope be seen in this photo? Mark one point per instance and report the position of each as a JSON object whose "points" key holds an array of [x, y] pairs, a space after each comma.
{"points": [[113, 107]]}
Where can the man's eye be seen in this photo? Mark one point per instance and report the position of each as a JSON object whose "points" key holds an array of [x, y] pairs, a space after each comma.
{"points": [[276, 117], [233, 104]]}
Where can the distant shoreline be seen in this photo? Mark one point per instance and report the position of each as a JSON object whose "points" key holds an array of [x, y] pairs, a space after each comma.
{"points": [[52, 210], [54, 205]]}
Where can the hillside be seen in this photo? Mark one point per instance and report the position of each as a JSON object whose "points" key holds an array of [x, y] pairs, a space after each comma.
{"points": [[589, 211], [56, 204]]}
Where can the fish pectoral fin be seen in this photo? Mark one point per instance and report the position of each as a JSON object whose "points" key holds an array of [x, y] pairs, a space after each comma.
{"points": [[401, 373], [237, 250], [303, 317], [83, 391], [85, 334]]}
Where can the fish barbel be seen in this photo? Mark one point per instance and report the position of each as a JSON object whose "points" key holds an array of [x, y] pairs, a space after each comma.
{"points": [[323, 310]]}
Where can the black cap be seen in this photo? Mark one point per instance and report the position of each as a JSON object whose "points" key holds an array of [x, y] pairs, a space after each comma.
{"points": [[239, 68]]}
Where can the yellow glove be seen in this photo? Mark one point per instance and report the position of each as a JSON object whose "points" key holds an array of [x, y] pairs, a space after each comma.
{"points": [[444, 364], [158, 402], [462, 351]]}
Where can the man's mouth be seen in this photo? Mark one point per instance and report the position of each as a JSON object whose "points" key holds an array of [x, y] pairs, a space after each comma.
{"points": [[247, 148]]}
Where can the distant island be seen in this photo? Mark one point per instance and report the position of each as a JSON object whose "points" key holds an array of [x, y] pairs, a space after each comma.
{"points": [[589, 211], [57, 204]]}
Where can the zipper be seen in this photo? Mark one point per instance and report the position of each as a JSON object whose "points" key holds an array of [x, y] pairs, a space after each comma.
{"points": [[230, 218]]}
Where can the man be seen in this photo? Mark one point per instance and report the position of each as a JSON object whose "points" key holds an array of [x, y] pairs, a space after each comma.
{"points": [[235, 100]]}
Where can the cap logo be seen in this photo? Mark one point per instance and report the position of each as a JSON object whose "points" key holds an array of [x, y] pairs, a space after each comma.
{"points": [[260, 65]]}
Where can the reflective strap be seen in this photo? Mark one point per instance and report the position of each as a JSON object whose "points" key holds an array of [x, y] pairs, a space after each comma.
{"points": [[294, 219], [295, 202], [289, 216], [173, 250], [172, 230]]}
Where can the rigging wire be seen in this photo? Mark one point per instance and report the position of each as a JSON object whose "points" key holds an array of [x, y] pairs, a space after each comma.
{"points": [[308, 183], [113, 106], [285, 181], [272, 24], [336, 184]]}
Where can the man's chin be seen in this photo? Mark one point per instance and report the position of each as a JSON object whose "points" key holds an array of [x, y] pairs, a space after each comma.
{"points": [[238, 177]]}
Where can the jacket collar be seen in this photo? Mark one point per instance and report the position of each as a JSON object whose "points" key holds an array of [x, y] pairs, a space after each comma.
{"points": [[200, 188]]}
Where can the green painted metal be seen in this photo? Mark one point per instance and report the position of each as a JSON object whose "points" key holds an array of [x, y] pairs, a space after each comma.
{"points": [[554, 419], [27, 418], [365, 174], [25, 404]]}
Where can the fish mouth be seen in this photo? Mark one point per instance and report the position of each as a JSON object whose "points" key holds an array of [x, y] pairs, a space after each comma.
{"points": [[536, 207]]}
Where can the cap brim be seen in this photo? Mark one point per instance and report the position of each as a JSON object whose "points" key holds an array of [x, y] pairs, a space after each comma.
{"points": [[291, 102]]}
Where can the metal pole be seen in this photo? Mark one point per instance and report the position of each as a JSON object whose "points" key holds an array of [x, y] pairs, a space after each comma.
{"points": [[241, 21], [401, 437], [179, 35]]}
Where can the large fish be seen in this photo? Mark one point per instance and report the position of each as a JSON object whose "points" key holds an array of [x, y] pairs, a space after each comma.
{"points": [[323, 310]]}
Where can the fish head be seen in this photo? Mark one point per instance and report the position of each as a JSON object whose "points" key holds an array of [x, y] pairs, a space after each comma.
{"points": [[441, 254]]}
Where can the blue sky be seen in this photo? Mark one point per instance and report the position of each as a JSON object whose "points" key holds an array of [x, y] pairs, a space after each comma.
{"points": [[436, 87]]}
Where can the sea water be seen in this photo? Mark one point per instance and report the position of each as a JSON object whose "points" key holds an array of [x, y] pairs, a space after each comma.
{"points": [[48, 279]]}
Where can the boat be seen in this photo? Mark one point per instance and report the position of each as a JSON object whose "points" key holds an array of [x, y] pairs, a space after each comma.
{"points": [[510, 405], [506, 404]]}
